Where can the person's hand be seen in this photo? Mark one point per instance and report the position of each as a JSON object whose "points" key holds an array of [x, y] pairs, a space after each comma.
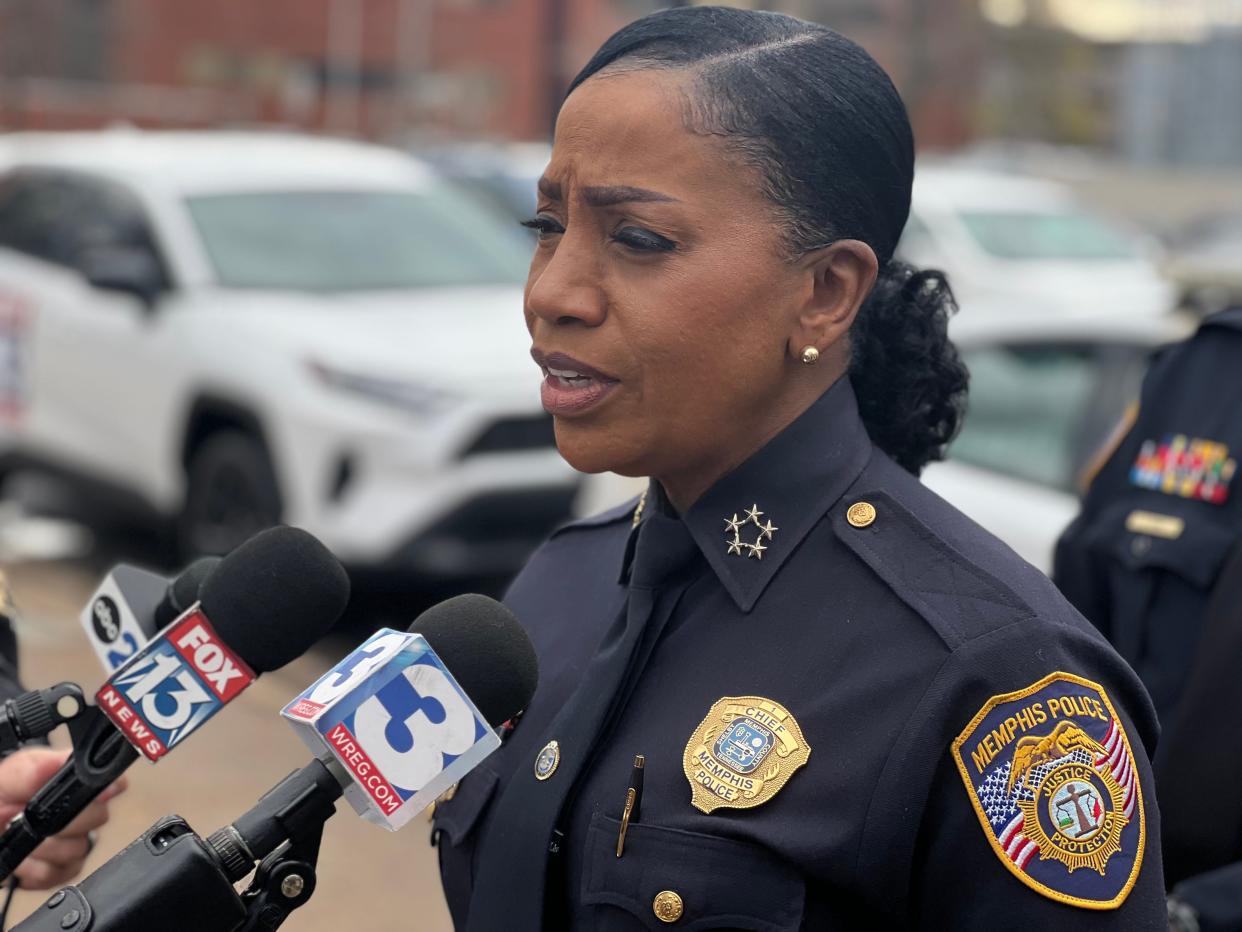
{"points": [[59, 859]]}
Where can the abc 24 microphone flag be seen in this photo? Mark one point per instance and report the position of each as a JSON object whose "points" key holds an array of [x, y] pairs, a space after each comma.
{"points": [[397, 720]]}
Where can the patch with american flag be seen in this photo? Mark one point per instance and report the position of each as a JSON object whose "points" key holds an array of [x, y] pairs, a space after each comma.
{"points": [[1051, 775]]}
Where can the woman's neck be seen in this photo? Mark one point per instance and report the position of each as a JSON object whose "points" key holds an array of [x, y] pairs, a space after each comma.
{"points": [[685, 486]]}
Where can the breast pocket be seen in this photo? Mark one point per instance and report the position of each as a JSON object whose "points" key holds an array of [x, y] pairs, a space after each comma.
{"points": [[1164, 559], [672, 879], [1177, 538]]}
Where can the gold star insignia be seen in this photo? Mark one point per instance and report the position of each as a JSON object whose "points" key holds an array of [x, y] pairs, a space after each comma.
{"points": [[735, 546], [733, 524], [767, 530], [753, 513], [757, 549]]}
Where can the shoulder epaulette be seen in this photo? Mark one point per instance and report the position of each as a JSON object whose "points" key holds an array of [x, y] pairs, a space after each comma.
{"points": [[958, 598], [623, 512]]}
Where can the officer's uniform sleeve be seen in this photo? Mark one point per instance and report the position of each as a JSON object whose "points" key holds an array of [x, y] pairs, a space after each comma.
{"points": [[1077, 567], [1021, 790]]}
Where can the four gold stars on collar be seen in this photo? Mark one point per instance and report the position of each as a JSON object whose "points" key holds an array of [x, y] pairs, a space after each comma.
{"points": [[734, 525]]}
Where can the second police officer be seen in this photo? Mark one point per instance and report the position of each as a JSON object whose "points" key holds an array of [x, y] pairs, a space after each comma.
{"points": [[1154, 559]]}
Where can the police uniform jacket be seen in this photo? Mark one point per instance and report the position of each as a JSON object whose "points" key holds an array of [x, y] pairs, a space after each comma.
{"points": [[1156, 547], [1163, 513], [882, 718]]}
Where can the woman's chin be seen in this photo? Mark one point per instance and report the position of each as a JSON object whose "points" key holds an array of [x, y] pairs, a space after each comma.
{"points": [[593, 451]]}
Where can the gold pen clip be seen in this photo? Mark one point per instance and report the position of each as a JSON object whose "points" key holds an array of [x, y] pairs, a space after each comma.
{"points": [[630, 795]]}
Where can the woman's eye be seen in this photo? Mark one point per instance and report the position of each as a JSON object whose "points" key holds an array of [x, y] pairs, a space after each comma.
{"points": [[544, 226], [643, 240]]}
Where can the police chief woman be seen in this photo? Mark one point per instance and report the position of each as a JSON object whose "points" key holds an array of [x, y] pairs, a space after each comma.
{"points": [[839, 704]]}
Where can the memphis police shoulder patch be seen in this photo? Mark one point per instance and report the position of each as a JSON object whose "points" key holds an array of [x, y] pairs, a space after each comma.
{"points": [[1051, 775]]}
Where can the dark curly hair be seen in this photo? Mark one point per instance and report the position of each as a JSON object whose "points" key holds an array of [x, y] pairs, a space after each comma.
{"points": [[823, 125]]}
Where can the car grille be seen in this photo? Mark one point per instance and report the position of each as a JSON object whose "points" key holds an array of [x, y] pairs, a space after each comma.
{"points": [[490, 535], [515, 433]]}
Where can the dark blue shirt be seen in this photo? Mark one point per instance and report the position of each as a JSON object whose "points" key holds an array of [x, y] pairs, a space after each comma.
{"points": [[881, 719]]}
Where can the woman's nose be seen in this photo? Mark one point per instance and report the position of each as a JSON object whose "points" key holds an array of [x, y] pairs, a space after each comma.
{"points": [[566, 290]]}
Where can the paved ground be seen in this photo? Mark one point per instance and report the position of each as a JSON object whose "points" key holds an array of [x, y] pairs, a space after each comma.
{"points": [[369, 879]]}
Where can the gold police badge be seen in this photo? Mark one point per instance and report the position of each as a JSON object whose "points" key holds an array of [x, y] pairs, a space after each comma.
{"points": [[742, 753]]}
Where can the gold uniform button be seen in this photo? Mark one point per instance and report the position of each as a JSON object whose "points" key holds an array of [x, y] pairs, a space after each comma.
{"points": [[861, 514], [668, 906]]}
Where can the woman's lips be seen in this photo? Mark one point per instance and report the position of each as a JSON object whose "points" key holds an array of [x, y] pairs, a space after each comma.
{"points": [[571, 387]]}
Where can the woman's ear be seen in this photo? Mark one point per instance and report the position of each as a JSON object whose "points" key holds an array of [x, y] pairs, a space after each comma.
{"points": [[842, 275]]}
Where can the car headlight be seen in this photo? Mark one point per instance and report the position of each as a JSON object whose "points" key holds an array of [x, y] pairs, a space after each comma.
{"points": [[423, 400]]}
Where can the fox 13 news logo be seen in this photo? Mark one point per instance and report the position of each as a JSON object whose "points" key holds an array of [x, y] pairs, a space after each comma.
{"points": [[173, 685]]}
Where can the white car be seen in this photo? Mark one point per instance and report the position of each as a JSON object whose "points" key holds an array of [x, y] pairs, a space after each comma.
{"points": [[1028, 246], [1046, 392], [234, 329]]}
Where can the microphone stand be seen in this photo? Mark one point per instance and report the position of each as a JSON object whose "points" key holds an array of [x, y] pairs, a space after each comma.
{"points": [[34, 714], [173, 878], [284, 881], [100, 755]]}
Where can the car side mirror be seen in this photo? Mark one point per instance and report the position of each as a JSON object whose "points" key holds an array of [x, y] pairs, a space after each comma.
{"points": [[123, 268]]}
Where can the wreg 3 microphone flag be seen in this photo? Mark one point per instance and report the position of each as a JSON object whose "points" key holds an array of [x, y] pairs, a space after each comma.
{"points": [[395, 718]]}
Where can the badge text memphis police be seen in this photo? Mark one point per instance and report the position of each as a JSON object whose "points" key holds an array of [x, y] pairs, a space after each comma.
{"points": [[1051, 776]]}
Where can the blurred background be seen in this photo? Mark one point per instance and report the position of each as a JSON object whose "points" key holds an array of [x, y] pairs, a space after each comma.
{"points": [[259, 263]]}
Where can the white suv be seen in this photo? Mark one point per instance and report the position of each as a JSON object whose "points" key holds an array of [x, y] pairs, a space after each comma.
{"points": [[236, 329]]}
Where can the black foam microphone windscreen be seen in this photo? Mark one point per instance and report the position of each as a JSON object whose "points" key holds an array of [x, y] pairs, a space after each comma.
{"points": [[486, 650], [184, 590], [275, 596]]}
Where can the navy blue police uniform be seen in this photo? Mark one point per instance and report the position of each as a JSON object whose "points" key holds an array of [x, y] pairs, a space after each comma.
{"points": [[855, 707], [1158, 521], [1153, 561]]}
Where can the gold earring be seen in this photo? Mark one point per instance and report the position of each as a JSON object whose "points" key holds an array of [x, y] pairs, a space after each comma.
{"points": [[810, 356]]}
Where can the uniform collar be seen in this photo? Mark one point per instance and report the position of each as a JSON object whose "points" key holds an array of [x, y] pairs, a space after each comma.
{"points": [[791, 482]]}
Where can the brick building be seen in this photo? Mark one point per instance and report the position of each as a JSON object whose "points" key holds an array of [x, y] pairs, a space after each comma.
{"points": [[391, 68]]}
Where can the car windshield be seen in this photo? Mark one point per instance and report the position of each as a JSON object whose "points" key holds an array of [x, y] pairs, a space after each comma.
{"points": [[1047, 235], [357, 240], [1039, 412]]}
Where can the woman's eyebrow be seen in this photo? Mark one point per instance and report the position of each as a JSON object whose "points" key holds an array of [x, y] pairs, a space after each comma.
{"points": [[622, 194], [549, 189], [606, 196]]}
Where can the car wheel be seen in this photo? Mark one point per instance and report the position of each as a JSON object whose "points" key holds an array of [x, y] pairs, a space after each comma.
{"points": [[231, 494]]}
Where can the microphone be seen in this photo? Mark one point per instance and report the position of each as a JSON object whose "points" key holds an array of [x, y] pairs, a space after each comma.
{"points": [[121, 606], [184, 591], [172, 872], [407, 714], [132, 605], [262, 606]]}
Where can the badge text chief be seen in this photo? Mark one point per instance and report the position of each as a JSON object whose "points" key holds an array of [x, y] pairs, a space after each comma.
{"points": [[173, 685], [393, 715]]}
